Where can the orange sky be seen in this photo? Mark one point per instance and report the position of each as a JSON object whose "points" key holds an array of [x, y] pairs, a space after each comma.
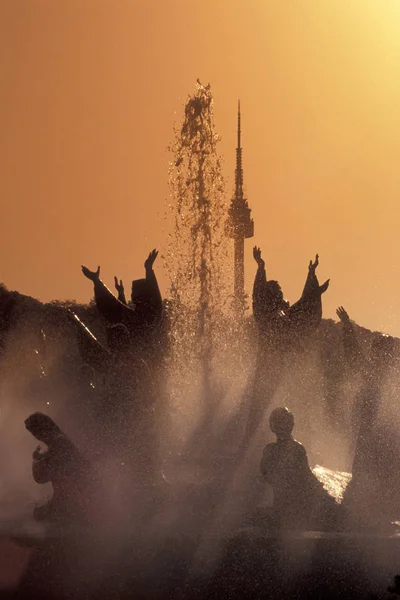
{"points": [[90, 90]]}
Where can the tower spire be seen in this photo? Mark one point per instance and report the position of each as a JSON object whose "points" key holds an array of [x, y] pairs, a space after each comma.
{"points": [[239, 165], [240, 225], [238, 131]]}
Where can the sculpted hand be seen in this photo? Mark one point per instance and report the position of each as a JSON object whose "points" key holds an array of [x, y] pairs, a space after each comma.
{"points": [[119, 286], [151, 259], [92, 275], [257, 256], [343, 315], [324, 286], [314, 265]]}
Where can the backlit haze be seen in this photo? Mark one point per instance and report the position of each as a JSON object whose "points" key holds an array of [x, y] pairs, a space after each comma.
{"points": [[91, 89]]}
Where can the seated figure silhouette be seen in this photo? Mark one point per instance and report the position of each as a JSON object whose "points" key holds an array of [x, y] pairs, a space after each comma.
{"points": [[300, 500], [65, 468]]}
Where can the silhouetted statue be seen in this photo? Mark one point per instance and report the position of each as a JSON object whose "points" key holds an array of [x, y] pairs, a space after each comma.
{"points": [[124, 401], [124, 379], [127, 372], [306, 314], [65, 468], [146, 310], [92, 352], [281, 328], [269, 305], [277, 321], [101, 358], [374, 491], [270, 315], [373, 368], [299, 498]]}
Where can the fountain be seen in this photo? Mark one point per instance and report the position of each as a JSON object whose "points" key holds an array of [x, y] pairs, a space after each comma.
{"points": [[210, 365], [198, 261], [197, 255]]}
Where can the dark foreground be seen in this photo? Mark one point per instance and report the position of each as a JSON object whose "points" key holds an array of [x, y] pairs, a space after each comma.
{"points": [[252, 564]]}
